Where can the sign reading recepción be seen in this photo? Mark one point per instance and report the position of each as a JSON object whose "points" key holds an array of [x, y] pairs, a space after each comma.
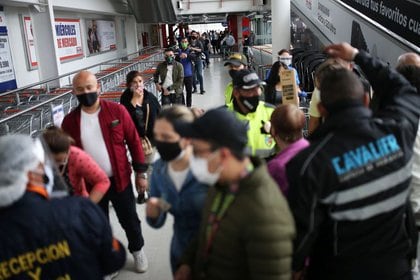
{"points": [[69, 39], [101, 36]]}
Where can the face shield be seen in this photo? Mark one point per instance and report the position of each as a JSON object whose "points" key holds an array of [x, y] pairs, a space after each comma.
{"points": [[286, 59], [54, 182]]}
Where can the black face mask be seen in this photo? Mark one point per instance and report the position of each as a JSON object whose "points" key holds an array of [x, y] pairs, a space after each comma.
{"points": [[87, 99], [251, 103], [168, 151], [45, 179], [232, 73]]}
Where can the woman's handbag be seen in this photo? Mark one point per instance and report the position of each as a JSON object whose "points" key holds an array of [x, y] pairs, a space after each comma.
{"points": [[145, 142]]}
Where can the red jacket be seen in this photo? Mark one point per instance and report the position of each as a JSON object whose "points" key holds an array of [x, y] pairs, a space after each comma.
{"points": [[118, 131], [83, 170]]}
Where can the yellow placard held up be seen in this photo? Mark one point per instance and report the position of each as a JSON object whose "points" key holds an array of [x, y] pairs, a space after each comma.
{"points": [[289, 87]]}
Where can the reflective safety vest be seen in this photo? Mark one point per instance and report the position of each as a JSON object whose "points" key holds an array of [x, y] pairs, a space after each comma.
{"points": [[260, 144], [228, 93]]}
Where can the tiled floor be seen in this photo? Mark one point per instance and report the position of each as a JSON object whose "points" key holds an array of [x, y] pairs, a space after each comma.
{"points": [[157, 241]]}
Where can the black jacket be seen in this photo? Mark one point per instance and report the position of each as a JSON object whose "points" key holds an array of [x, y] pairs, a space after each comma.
{"points": [[349, 190], [138, 115], [67, 238]]}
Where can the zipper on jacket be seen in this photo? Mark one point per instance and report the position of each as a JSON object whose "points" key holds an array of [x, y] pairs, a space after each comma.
{"points": [[335, 229]]}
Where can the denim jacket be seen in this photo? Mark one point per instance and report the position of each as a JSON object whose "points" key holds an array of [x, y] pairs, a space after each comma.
{"points": [[186, 206]]}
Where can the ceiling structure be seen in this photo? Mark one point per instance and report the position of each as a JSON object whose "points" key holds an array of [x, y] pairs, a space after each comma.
{"points": [[156, 11]]}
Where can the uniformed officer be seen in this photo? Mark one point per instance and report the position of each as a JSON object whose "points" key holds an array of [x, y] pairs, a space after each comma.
{"points": [[248, 107]]}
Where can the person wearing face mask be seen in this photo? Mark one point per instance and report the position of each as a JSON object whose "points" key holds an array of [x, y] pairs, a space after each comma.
{"points": [[173, 188], [274, 89], [247, 106], [105, 130], [196, 47], [331, 64], [186, 58], [169, 78], [141, 104], [247, 228], [77, 168], [235, 63], [43, 237], [287, 122]]}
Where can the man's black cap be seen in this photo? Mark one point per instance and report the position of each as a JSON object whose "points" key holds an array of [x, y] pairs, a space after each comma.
{"points": [[246, 79]]}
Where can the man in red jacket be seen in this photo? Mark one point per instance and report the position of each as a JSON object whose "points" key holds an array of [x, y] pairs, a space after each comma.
{"points": [[103, 129]]}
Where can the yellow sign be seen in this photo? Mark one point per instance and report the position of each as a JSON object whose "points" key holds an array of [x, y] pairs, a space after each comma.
{"points": [[31, 262], [289, 87]]}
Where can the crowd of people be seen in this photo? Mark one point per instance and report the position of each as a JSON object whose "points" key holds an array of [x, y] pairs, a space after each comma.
{"points": [[251, 198]]}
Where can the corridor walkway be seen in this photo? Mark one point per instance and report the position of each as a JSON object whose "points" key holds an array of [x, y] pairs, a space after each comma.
{"points": [[157, 242]]}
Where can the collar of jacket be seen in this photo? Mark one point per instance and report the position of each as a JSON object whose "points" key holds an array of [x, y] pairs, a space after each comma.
{"points": [[347, 117], [252, 179]]}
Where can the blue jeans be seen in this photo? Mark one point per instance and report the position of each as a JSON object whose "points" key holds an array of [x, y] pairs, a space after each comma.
{"points": [[198, 74]]}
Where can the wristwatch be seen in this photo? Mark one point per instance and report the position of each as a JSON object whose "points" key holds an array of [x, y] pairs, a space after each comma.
{"points": [[142, 175]]}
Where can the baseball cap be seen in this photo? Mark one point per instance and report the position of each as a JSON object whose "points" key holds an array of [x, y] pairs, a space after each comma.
{"points": [[218, 126], [246, 79], [236, 59]]}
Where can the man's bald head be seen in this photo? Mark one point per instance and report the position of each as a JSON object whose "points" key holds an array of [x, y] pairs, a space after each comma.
{"points": [[408, 59], [84, 82], [409, 66]]}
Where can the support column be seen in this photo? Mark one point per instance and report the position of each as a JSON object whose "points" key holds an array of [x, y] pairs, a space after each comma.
{"points": [[280, 16], [260, 31], [43, 28], [164, 36], [172, 40], [239, 41]]}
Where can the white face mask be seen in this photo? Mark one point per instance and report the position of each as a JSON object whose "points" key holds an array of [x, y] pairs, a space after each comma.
{"points": [[286, 60], [50, 175], [200, 169]]}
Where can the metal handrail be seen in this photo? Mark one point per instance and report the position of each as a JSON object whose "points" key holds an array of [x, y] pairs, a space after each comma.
{"points": [[70, 73], [8, 118]]}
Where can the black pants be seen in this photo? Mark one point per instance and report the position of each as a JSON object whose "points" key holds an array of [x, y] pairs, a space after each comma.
{"points": [[188, 83], [125, 208], [172, 99]]}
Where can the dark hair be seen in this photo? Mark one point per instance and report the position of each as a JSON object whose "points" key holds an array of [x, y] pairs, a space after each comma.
{"points": [[412, 74], [239, 155], [331, 64], [176, 113], [57, 140], [272, 81], [282, 51], [169, 50], [288, 120], [339, 87], [130, 77]]}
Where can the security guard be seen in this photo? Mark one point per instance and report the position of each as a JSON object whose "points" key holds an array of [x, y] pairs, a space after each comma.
{"points": [[248, 107], [42, 238], [235, 63]]}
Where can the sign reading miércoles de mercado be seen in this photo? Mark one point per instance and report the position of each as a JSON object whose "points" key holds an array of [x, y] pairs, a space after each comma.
{"points": [[69, 39]]}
